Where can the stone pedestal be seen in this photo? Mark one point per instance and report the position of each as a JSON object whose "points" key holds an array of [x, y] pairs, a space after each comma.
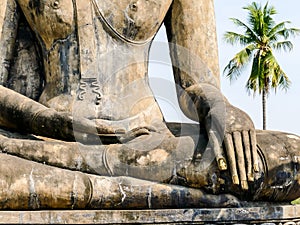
{"points": [[270, 215]]}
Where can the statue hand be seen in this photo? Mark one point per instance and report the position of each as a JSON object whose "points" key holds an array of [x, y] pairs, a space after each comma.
{"points": [[224, 124], [235, 126], [136, 132], [62, 125]]}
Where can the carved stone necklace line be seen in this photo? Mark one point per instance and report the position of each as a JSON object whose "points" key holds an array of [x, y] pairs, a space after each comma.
{"points": [[113, 30]]}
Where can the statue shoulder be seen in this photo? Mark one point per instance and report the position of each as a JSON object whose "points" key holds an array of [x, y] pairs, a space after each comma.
{"points": [[52, 20]]}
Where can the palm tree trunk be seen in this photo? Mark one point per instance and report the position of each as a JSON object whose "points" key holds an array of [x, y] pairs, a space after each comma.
{"points": [[264, 101]]}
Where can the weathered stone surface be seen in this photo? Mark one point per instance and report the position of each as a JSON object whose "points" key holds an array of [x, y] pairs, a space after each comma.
{"points": [[80, 68], [267, 215], [2, 14]]}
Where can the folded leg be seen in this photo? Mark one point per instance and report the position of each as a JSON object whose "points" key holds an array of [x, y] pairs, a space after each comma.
{"points": [[30, 185]]}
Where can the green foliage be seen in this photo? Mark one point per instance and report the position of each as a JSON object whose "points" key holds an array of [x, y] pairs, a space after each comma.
{"points": [[296, 201], [260, 38]]}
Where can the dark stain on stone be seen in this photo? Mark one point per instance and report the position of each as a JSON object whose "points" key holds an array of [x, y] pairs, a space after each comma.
{"points": [[37, 6]]}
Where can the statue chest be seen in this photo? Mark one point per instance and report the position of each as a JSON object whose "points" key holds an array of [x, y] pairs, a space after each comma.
{"points": [[135, 20]]}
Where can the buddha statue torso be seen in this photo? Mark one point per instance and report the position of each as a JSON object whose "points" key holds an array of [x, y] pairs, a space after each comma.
{"points": [[95, 55]]}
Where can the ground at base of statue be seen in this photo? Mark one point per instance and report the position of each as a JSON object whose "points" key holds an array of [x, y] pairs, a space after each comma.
{"points": [[259, 215]]}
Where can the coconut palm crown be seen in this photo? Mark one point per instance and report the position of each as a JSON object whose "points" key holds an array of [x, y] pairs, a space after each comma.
{"points": [[261, 37]]}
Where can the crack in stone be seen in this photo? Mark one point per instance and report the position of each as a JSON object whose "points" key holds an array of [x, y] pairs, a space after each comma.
{"points": [[33, 197], [149, 196], [74, 193], [123, 194]]}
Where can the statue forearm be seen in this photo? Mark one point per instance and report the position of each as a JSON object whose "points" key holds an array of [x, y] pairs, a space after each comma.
{"points": [[194, 54], [25, 115], [17, 111], [198, 99]]}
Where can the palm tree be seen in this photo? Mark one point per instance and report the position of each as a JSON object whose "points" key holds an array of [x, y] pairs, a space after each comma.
{"points": [[262, 35]]}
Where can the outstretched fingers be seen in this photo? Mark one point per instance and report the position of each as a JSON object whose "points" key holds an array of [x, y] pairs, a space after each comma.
{"points": [[248, 155], [219, 154], [231, 158], [254, 151], [240, 159]]}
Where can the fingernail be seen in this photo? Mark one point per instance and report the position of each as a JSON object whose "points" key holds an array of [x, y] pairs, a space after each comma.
{"points": [[256, 167], [235, 179], [222, 164], [250, 177], [244, 185]]}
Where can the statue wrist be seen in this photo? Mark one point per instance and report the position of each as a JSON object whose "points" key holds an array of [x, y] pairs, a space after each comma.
{"points": [[197, 100]]}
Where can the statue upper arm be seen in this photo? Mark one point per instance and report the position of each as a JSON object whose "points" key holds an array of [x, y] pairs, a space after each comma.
{"points": [[191, 32]]}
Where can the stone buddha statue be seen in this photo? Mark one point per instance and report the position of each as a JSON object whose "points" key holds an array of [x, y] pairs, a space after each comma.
{"points": [[80, 127]]}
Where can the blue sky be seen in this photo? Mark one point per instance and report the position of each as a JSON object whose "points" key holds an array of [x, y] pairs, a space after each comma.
{"points": [[283, 109]]}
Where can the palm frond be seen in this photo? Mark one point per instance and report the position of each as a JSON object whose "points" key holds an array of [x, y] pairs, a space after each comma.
{"points": [[268, 21], [275, 73], [276, 28], [286, 33], [252, 82], [269, 10], [260, 19], [237, 64], [233, 38], [283, 45], [253, 9], [248, 31], [255, 18], [256, 81], [291, 32]]}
